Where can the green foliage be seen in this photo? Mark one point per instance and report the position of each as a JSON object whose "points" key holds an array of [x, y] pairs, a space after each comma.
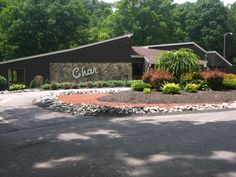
{"points": [[178, 62], [192, 88], [83, 84], [214, 79], [157, 77], [55, 86], [147, 90], [189, 78], [139, 85], [46, 87], [33, 27], [3, 83], [47, 81], [32, 84], [66, 85], [170, 88], [17, 87], [229, 81], [74, 85]]}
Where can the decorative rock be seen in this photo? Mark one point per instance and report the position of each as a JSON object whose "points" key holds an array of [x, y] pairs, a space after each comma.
{"points": [[50, 102]]}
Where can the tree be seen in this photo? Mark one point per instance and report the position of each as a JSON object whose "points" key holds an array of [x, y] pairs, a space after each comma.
{"points": [[38, 26], [178, 62], [203, 22], [150, 21]]}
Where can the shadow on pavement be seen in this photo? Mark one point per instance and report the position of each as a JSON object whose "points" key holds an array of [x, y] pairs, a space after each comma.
{"points": [[114, 147]]}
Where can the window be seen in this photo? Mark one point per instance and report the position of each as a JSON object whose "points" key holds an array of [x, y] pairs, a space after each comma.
{"points": [[16, 76]]}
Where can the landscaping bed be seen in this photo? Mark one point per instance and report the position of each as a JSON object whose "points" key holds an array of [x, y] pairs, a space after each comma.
{"points": [[161, 98]]}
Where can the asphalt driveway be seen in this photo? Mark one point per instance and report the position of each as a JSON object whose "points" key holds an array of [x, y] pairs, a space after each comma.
{"points": [[38, 143]]}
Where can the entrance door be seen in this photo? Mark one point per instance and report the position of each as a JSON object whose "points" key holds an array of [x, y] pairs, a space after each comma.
{"points": [[16, 75], [138, 69]]}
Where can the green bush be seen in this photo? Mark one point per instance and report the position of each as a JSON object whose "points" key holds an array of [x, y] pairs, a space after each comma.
{"points": [[3, 83], [170, 88], [214, 78], [83, 84], [192, 88], [147, 90], [91, 84], [47, 81], [17, 87], [178, 62], [139, 85], [46, 87], [55, 86], [66, 85], [187, 78], [32, 84], [229, 81], [74, 85]]}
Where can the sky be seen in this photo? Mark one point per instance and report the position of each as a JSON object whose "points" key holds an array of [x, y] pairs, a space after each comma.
{"points": [[182, 1]]}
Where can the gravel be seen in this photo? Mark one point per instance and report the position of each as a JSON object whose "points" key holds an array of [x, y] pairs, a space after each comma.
{"points": [[50, 102]]}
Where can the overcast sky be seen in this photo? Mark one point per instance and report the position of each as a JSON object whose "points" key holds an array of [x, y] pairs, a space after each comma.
{"points": [[182, 1]]}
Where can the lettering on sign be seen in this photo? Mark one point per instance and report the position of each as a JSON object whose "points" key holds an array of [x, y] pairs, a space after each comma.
{"points": [[77, 72]]}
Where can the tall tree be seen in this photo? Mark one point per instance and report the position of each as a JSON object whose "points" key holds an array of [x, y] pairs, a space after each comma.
{"points": [[150, 21], [37, 26], [204, 22]]}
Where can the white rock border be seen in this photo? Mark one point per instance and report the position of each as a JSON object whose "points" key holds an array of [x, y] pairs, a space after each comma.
{"points": [[50, 102]]}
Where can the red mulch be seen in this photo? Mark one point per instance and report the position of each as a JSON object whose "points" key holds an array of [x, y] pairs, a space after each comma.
{"points": [[93, 99]]}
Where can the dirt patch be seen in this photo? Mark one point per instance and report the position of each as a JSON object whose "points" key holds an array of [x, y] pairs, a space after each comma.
{"points": [[130, 98]]}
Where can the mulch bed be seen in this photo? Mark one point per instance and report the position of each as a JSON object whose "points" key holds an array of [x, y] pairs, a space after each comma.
{"points": [[130, 98]]}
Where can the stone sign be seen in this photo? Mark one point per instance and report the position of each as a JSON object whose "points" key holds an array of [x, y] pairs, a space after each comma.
{"points": [[81, 72]]}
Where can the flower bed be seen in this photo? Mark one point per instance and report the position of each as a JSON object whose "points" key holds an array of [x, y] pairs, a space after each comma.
{"points": [[91, 103]]}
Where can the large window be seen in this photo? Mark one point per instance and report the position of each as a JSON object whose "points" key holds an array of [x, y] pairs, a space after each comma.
{"points": [[16, 75]]}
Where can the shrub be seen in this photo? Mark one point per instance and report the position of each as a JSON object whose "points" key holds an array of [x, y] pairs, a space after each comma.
{"points": [[74, 86], [170, 88], [17, 87], [214, 78], [157, 77], [83, 84], [47, 81], [147, 90], [139, 85], [178, 62], [192, 88], [187, 78], [66, 85], [32, 84], [91, 84], [46, 87], [39, 80], [55, 86], [118, 83], [229, 81], [3, 83]]}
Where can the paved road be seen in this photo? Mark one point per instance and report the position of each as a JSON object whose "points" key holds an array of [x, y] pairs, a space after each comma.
{"points": [[38, 143]]}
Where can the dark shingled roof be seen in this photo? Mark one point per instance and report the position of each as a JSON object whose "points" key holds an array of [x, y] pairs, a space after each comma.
{"points": [[148, 54]]}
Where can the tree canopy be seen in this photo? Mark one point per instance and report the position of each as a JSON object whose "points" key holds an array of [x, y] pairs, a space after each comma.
{"points": [[29, 27]]}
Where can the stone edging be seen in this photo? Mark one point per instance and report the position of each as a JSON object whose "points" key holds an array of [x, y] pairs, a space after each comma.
{"points": [[51, 103], [16, 91]]}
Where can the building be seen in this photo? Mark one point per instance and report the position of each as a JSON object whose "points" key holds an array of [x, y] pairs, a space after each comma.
{"points": [[112, 59]]}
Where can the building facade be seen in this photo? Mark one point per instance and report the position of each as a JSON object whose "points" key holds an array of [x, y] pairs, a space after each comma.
{"points": [[113, 59]]}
